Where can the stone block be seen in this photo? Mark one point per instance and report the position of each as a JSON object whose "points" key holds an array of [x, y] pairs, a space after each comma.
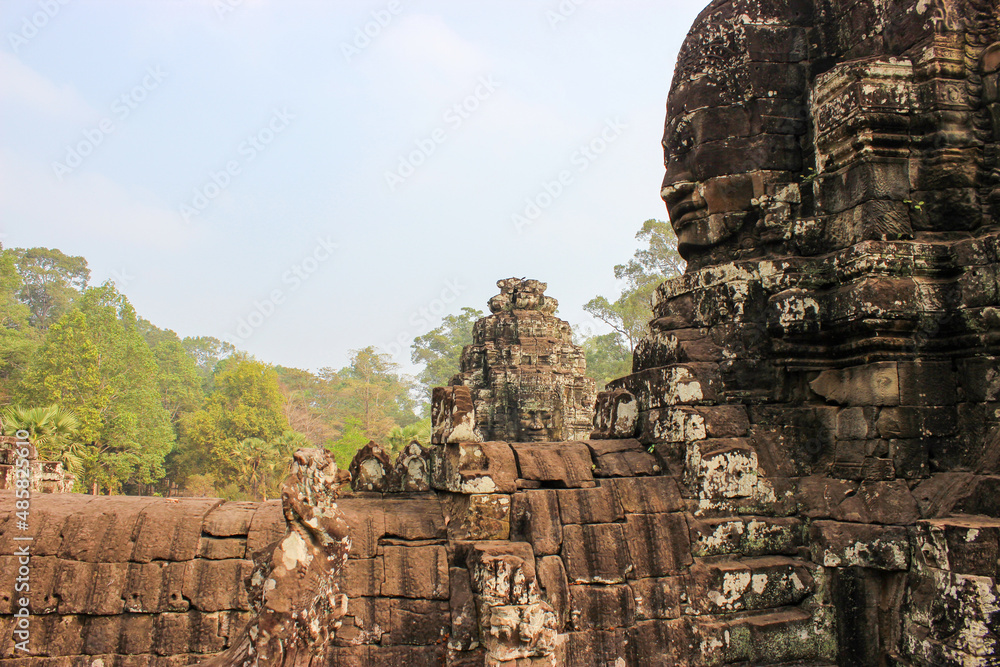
{"points": [[597, 647], [366, 621], [214, 548], [963, 545], [980, 378], [910, 458], [880, 502], [724, 421], [419, 572], [170, 531], [855, 423], [621, 458], [362, 577], [564, 464], [673, 424], [682, 384], [747, 536], [519, 633], [658, 598], [217, 585], [724, 468], [874, 384], [595, 553], [838, 544], [418, 622], [229, 519], [659, 544], [535, 519], [267, 527], [464, 634], [726, 587], [480, 516], [597, 607], [102, 634], [413, 517], [110, 536], [820, 497], [664, 643], [912, 422], [926, 383], [647, 495], [486, 467], [596, 505], [501, 573], [366, 518], [554, 586]]}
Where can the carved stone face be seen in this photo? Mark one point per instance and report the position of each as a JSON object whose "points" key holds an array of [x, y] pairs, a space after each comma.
{"points": [[990, 69], [856, 126], [733, 117], [539, 426], [991, 86]]}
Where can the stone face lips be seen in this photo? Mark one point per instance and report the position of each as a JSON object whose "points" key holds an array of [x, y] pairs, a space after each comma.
{"points": [[523, 375]]}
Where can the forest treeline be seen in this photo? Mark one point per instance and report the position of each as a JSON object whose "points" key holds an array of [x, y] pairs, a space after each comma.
{"points": [[133, 408]]}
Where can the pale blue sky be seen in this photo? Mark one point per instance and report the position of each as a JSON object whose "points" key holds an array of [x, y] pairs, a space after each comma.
{"points": [[114, 116]]}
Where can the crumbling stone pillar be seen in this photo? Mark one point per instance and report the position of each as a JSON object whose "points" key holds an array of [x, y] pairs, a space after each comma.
{"points": [[294, 591]]}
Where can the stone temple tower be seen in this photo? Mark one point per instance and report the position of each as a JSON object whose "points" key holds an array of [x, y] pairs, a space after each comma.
{"points": [[522, 379]]}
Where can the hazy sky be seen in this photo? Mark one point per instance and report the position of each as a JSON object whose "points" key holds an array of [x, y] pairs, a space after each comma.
{"points": [[307, 178]]}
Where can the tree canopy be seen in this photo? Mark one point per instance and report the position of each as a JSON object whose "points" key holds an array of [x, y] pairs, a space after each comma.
{"points": [[610, 355], [95, 362], [440, 349], [50, 281], [132, 407]]}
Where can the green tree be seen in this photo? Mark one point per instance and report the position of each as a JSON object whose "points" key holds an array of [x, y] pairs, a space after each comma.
{"points": [[51, 282], [178, 378], [18, 339], [308, 403], [260, 466], [95, 362], [352, 439], [247, 403], [607, 358], [440, 349], [375, 393], [207, 352], [401, 436], [51, 429], [630, 313]]}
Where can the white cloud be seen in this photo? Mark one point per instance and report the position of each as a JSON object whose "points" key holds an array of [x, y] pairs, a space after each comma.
{"points": [[26, 87], [84, 205]]}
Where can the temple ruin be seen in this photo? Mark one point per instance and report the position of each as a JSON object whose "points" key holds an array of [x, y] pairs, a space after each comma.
{"points": [[523, 375], [802, 469]]}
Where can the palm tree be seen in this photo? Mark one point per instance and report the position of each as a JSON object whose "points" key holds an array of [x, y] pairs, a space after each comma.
{"points": [[262, 466], [50, 429], [401, 436]]}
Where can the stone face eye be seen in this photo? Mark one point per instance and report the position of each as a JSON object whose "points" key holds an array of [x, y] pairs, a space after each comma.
{"points": [[681, 140]]}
